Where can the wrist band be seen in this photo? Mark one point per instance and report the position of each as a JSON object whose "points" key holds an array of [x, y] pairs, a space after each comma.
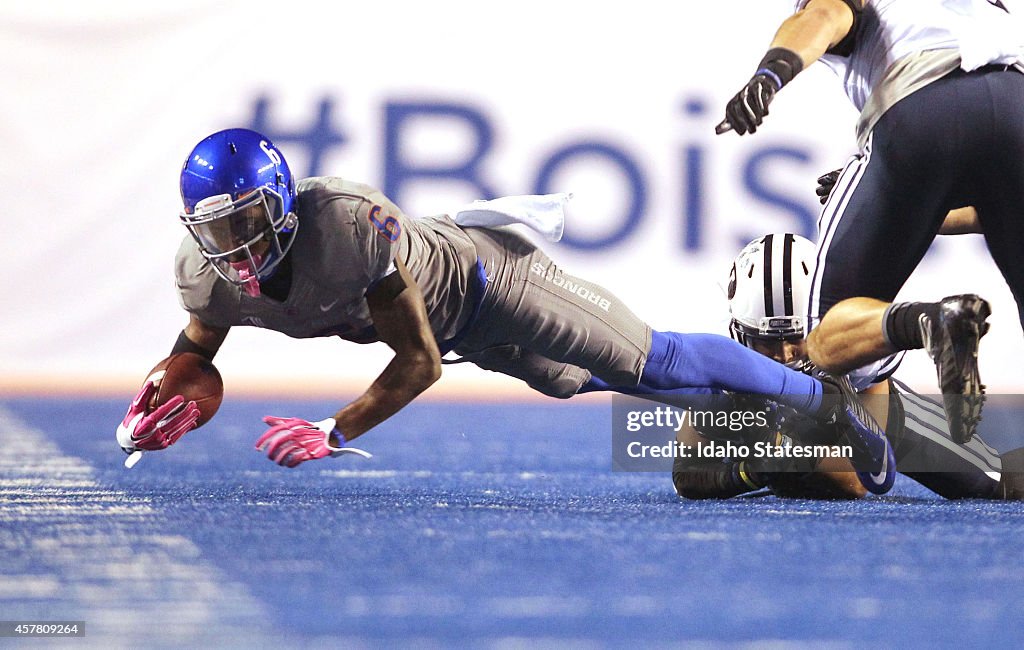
{"points": [[330, 428], [338, 435], [782, 63], [771, 75], [746, 477], [185, 344]]}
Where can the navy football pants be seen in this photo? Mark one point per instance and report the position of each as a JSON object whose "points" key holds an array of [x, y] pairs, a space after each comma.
{"points": [[958, 141]]}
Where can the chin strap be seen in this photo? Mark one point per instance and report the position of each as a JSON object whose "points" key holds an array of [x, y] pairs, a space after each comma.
{"points": [[250, 280]]}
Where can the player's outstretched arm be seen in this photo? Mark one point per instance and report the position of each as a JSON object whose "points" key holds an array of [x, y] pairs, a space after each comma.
{"points": [[400, 318], [817, 28], [800, 40]]}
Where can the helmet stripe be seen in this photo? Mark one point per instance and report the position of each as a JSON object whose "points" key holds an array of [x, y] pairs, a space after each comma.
{"points": [[769, 302], [787, 274]]}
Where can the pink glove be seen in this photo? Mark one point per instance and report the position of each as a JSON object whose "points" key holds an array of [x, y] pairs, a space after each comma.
{"points": [[159, 429], [291, 441]]}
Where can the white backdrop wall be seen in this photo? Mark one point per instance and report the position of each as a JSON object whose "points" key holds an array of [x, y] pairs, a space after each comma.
{"points": [[102, 101]]}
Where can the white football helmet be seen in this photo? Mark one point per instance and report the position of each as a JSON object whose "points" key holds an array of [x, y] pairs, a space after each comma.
{"points": [[769, 287]]}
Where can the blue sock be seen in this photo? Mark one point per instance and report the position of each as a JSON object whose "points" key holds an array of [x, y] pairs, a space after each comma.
{"points": [[713, 361]]}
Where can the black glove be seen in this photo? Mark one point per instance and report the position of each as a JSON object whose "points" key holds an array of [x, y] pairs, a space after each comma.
{"points": [[745, 112], [825, 184], [747, 109]]}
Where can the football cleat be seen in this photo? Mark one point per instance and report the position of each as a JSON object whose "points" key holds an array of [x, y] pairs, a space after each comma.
{"points": [[951, 341], [873, 458]]}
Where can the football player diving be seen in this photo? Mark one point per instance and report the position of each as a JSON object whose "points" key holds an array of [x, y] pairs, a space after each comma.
{"points": [[326, 256]]}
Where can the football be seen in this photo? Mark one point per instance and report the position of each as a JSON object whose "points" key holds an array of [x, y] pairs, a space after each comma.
{"points": [[193, 377]]}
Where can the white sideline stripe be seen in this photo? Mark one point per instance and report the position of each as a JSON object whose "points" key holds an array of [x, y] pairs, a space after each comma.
{"points": [[96, 563]]}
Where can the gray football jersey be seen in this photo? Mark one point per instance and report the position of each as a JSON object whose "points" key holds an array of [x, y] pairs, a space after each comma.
{"points": [[348, 237]]}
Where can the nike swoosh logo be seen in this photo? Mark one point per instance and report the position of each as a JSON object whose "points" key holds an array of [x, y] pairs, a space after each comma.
{"points": [[879, 482], [328, 306], [879, 477]]}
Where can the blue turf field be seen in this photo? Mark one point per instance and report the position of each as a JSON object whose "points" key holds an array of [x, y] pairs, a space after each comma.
{"points": [[482, 525]]}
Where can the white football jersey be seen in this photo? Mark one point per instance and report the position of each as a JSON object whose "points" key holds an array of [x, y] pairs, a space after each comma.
{"points": [[977, 31], [873, 373]]}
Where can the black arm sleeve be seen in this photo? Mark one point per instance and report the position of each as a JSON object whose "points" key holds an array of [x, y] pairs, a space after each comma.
{"points": [[185, 344], [845, 46]]}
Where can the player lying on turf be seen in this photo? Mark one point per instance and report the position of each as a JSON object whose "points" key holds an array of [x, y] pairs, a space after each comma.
{"points": [[329, 257], [783, 264]]}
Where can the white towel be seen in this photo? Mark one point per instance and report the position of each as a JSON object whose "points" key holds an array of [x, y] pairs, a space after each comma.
{"points": [[544, 213]]}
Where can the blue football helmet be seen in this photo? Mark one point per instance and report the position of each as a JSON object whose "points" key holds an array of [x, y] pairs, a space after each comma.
{"points": [[239, 199]]}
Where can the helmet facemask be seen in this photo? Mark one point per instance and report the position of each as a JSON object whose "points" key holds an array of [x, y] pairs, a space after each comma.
{"points": [[769, 328], [244, 238]]}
